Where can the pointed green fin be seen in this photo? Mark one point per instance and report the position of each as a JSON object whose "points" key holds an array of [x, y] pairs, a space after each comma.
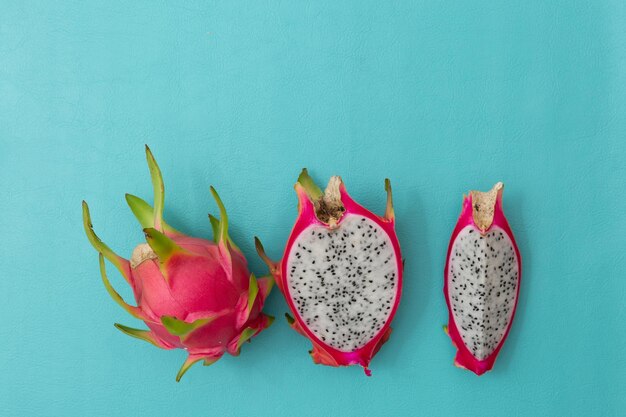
{"points": [[142, 210], [158, 189], [261, 251], [189, 362], [145, 214], [163, 246], [314, 192], [222, 234], [389, 213], [220, 226], [245, 336], [253, 290], [120, 263], [133, 311], [290, 319], [208, 361], [182, 328], [145, 335], [215, 225]]}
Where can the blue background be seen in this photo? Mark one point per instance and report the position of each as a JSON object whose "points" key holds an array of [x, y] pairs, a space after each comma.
{"points": [[441, 97]]}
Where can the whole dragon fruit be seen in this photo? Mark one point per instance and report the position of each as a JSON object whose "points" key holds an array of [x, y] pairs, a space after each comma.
{"points": [[341, 274], [482, 280], [192, 293]]}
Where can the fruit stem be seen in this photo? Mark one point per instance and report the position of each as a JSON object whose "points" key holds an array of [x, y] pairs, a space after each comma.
{"points": [[483, 206], [389, 214]]}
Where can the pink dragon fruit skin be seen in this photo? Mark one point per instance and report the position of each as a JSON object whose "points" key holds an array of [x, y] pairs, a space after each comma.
{"points": [[482, 253], [191, 293], [349, 274]]}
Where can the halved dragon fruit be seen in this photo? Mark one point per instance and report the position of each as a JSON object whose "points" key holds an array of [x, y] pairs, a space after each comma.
{"points": [[482, 280], [192, 293], [341, 274]]}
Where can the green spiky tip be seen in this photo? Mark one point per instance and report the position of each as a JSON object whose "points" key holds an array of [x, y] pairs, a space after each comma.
{"points": [[245, 336], [215, 226], [389, 214], [314, 192], [158, 189], [95, 241], [209, 361], [222, 234], [261, 251], [253, 290], [100, 246], [290, 319], [163, 246], [145, 335], [191, 360], [133, 311], [142, 210], [182, 328], [259, 246], [145, 214]]}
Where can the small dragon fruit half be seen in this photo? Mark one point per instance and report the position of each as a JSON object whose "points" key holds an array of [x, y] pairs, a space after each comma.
{"points": [[482, 280], [192, 293], [341, 274]]}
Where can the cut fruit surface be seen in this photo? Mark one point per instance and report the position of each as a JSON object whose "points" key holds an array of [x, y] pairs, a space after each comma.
{"points": [[341, 274], [482, 278], [343, 281]]}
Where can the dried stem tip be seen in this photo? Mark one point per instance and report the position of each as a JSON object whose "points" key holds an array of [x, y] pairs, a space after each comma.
{"points": [[483, 206]]}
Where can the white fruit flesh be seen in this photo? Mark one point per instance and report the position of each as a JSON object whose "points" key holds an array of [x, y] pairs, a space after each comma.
{"points": [[482, 287], [343, 282]]}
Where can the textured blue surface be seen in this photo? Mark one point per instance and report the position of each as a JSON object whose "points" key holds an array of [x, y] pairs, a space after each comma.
{"points": [[440, 97]]}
